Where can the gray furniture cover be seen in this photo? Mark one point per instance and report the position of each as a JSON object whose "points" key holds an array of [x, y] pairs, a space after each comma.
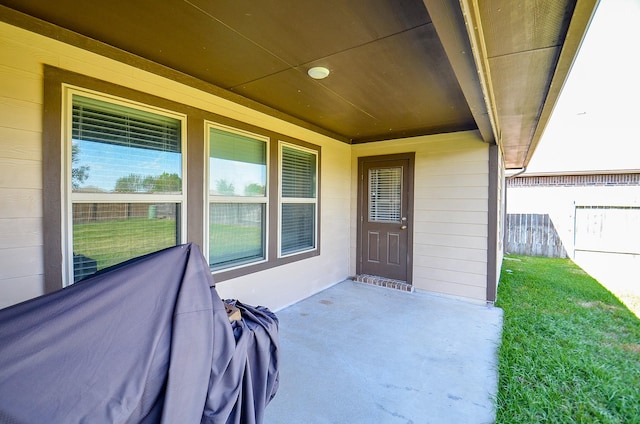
{"points": [[146, 341]]}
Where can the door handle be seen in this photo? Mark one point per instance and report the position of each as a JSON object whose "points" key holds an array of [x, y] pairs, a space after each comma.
{"points": [[403, 220], [403, 227]]}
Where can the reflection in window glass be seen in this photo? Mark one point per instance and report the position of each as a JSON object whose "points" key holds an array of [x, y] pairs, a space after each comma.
{"points": [[237, 164], [237, 198], [120, 158], [105, 234], [236, 233], [120, 149]]}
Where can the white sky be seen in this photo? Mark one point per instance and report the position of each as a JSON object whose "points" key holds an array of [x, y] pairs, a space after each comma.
{"points": [[596, 122]]}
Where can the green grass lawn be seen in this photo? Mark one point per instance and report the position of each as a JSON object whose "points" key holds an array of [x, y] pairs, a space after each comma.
{"points": [[570, 350], [234, 242], [113, 241]]}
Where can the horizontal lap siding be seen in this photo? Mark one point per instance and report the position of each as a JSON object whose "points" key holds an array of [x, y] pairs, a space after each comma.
{"points": [[451, 218], [451, 252], [450, 210], [451, 268], [15, 290], [26, 230], [22, 58], [448, 240], [21, 266], [21, 144], [454, 228], [459, 288], [20, 173]]}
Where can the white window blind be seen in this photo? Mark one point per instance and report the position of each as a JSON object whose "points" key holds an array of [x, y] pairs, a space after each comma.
{"points": [[385, 194], [298, 173], [102, 122], [298, 210], [298, 227], [237, 147]]}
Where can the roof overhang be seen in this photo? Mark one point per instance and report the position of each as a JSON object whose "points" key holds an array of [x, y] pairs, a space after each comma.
{"points": [[397, 68]]}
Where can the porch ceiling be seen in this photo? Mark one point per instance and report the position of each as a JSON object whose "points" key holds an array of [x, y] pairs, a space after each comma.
{"points": [[398, 68]]}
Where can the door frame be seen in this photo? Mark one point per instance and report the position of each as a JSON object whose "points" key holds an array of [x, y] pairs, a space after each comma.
{"points": [[361, 201]]}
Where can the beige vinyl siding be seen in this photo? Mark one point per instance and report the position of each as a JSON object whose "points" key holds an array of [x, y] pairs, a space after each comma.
{"points": [[462, 159], [20, 174], [22, 57], [450, 210], [451, 252]]}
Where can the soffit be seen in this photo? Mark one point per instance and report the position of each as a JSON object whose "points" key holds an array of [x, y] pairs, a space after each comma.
{"points": [[525, 67]]}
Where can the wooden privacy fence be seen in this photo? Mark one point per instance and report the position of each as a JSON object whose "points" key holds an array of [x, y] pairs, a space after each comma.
{"points": [[532, 235]]}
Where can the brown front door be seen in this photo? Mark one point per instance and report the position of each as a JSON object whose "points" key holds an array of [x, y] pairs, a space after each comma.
{"points": [[385, 216]]}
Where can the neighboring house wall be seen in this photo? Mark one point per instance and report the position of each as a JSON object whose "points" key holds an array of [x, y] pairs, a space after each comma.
{"points": [[451, 185], [566, 197], [450, 210]]}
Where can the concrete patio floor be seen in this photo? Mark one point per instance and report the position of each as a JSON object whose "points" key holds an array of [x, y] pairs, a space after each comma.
{"points": [[357, 353]]}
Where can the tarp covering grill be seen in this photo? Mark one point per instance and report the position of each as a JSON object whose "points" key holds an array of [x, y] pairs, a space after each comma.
{"points": [[146, 341]]}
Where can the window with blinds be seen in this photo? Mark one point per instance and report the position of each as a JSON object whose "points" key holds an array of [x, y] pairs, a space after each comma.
{"points": [[298, 199], [385, 194], [126, 183], [123, 184], [237, 197]]}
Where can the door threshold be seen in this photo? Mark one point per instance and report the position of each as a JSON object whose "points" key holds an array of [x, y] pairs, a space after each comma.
{"points": [[383, 282]]}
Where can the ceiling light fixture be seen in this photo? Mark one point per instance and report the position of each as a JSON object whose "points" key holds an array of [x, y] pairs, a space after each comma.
{"points": [[318, 72]]}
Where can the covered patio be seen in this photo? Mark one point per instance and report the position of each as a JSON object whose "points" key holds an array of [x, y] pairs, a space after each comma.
{"points": [[428, 101], [448, 94], [359, 353]]}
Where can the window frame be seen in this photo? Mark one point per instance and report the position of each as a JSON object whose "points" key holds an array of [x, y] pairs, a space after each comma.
{"points": [[55, 210], [297, 200], [235, 199], [69, 197]]}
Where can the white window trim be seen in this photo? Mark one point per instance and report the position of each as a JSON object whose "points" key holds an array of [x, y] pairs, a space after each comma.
{"points": [[305, 200], [234, 199], [68, 197]]}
